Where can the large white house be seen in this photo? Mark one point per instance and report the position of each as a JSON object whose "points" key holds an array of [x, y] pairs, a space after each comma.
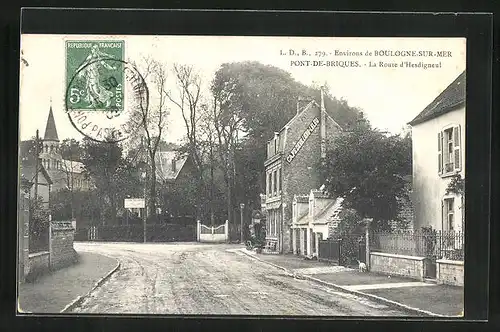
{"points": [[438, 137]]}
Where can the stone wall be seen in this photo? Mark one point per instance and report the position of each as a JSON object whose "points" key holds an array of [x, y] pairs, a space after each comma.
{"points": [[38, 264], [61, 244], [397, 265], [450, 272]]}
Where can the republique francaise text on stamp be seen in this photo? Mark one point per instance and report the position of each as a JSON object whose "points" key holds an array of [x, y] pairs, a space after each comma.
{"points": [[106, 97]]}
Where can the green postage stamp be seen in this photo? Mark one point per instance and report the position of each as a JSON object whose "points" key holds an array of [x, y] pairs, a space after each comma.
{"points": [[95, 75]]}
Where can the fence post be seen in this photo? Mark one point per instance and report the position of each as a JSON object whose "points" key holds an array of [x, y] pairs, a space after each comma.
{"points": [[50, 244], [226, 230], [367, 244], [198, 229]]}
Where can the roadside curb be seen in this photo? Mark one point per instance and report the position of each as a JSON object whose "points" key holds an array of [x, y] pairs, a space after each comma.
{"points": [[76, 302], [350, 291]]}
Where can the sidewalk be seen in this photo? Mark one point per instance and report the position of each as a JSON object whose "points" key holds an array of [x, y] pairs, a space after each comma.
{"points": [[429, 297], [51, 293]]}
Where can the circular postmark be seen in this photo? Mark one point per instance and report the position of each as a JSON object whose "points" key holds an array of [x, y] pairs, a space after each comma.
{"points": [[107, 99]]}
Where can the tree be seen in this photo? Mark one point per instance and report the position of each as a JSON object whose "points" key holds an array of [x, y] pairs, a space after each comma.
{"points": [[28, 151], [70, 149], [113, 176], [39, 216], [262, 99], [457, 187], [153, 115], [188, 100], [370, 170]]}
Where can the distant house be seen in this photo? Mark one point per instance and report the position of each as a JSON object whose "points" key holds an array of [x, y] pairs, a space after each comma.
{"points": [[314, 218], [171, 166], [175, 174], [28, 174], [438, 136]]}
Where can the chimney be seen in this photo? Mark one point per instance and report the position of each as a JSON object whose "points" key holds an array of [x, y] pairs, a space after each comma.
{"points": [[323, 124], [298, 104]]}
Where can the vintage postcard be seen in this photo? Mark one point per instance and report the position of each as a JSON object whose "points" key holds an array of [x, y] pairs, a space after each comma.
{"points": [[240, 175]]}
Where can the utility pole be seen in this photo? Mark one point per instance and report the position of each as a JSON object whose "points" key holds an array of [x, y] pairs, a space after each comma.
{"points": [[242, 206], [37, 153], [145, 209]]}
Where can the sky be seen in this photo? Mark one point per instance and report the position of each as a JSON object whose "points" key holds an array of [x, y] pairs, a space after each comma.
{"points": [[389, 97]]}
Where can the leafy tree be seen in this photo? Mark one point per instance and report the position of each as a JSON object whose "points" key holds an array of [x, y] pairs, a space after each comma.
{"points": [[113, 176], [153, 116], [256, 100], [28, 151], [70, 149], [369, 169], [39, 216], [350, 222], [457, 187], [88, 205]]}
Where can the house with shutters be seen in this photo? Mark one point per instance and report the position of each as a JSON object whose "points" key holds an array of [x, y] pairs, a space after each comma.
{"points": [[293, 157], [438, 138]]}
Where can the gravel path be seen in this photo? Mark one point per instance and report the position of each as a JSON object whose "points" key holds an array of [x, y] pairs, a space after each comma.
{"points": [[193, 278]]}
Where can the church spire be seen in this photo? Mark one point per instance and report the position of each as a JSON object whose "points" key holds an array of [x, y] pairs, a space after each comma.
{"points": [[50, 129]]}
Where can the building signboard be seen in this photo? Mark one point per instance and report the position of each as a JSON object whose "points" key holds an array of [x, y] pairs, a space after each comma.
{"points": [[302, 140], [134, 203]]}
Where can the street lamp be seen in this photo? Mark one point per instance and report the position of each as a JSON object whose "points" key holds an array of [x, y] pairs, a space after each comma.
{"points": [[242, 206]]}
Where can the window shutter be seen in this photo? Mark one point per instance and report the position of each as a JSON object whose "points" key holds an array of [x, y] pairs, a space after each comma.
{"points": [[457, 148], [440, 152]]}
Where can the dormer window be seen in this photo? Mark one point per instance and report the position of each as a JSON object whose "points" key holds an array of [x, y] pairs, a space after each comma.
{"points": [[174, 166]]}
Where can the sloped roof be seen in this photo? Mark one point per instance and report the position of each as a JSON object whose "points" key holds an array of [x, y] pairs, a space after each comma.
{"points": [[305, 108], [448, 100], [319, 194], [164, 159], [73, 166], [29, 171], [301, 198], [303, 219], [329, 213], [50, 129]]}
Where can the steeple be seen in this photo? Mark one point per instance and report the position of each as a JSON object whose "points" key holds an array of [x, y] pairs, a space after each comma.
{"points": [[50, 129]]}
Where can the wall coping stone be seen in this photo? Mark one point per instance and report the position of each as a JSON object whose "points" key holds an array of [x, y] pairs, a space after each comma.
{"points": [[40, 253], [415, 258], [450, 262]]}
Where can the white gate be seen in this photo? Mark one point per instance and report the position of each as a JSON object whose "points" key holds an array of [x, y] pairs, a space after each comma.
{"points": [[213, 234], [92, 233]]}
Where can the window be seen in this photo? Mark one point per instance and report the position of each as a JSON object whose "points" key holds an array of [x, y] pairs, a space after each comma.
{"points": [[269, 183], [449, 150], [449, 214], [279, 180], [274, 183]]}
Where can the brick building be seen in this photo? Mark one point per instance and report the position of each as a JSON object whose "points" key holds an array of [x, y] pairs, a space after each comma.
{"points": [[293, 155]]}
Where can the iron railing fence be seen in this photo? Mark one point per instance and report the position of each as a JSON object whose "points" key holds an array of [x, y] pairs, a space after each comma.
{"points": [[432, 244], [343, 249], [135, 233]]}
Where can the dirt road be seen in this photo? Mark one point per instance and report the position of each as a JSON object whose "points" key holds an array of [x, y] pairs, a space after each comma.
{"points": [[193, 278]]}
